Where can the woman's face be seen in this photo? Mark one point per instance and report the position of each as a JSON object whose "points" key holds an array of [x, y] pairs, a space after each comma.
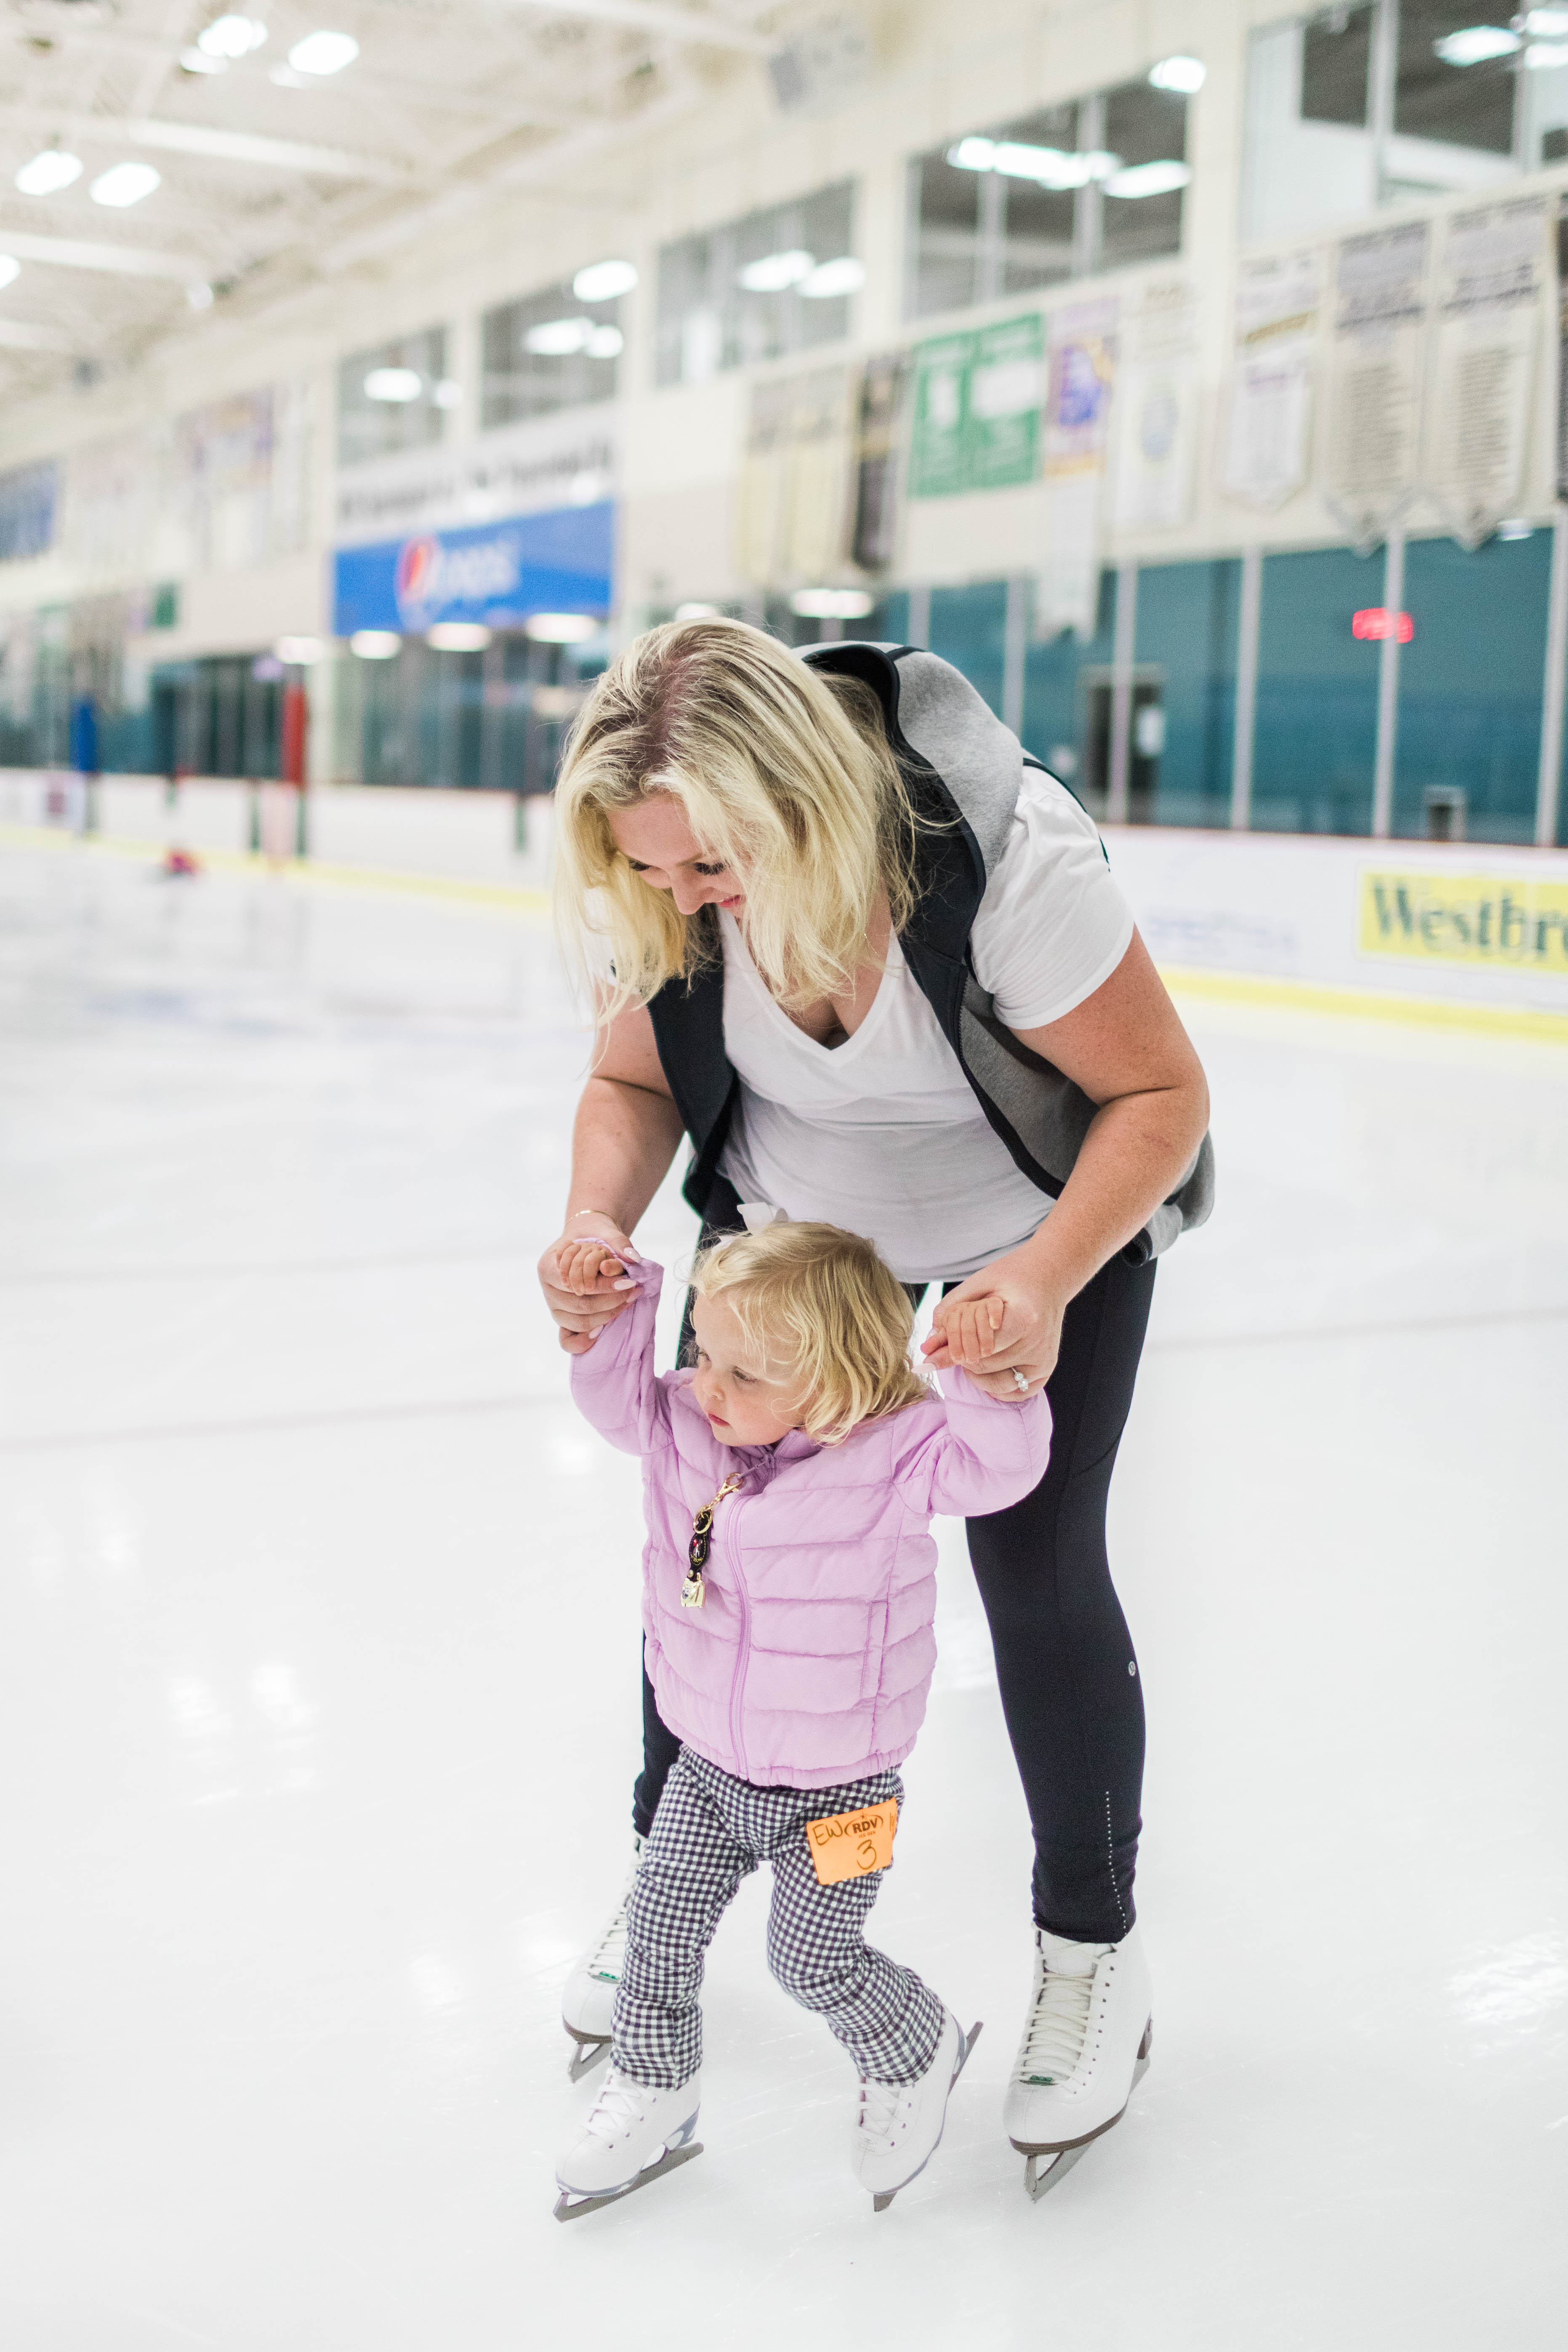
{"points": [[655, 837]]}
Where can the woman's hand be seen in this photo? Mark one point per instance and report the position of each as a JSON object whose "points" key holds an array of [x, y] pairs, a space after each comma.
{"points": [[1004, 1319], [584, 1278]]}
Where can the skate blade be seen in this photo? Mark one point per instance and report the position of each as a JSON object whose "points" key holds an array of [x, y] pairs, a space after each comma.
{"points": [[1040, 2178], [585, 2056], [966, 2042], [570, 2209]]}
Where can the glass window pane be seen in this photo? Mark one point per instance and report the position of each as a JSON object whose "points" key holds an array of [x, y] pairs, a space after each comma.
{"points": [[1336, 59], [529, 370], [414, 417], [1038, 222], [1142, 127], [1066, 686], [1183, 728], [1469, 688], [947, 251], [1464, 105], [1317, 693], [708, 321]]}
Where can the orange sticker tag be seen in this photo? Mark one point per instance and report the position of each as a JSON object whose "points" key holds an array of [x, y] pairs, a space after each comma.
{"points": [[849, 1845]]}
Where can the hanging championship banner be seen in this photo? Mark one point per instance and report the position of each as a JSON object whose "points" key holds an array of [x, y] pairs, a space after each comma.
{"points": [[1155, 417], [1077, 413], [792, 499], [1269, 427], [977, 409], [1491, 281], [882, 389], [1374, 378]]}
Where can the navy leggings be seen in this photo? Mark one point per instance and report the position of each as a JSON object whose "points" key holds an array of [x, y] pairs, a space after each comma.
{"points": [[1070, 1690]]}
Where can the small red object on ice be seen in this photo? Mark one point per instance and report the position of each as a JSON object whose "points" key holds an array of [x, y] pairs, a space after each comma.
{"points": [[180, 861]]}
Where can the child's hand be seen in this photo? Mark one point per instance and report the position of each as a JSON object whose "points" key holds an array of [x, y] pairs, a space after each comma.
{"points": [[582, 1267], [584, 1280]]}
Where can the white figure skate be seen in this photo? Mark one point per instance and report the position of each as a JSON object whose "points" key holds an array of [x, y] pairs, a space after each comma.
{"points": [[899, 2125], [630, 2136], [588, 2003], [1085, 2048]]}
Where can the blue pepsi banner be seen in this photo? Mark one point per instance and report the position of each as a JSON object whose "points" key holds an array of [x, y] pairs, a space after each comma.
{"points": [[497, 572]]}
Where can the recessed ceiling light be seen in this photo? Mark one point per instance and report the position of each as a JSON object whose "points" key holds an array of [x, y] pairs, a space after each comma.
{"points": [[1473, 45], [48, 172], [394, 383], [832, 280], [10, 269], [1184, 75], [231, 36], [124, 183], [1148, 180], [606, 343], [1542, 55], [198, 61], [375, 645], [1056, 168], [562, 628], [300, 651], [604, 282], [323, 53], [1549, 24], [457, 638], [557, 338], [777, 271], [832, 604]]}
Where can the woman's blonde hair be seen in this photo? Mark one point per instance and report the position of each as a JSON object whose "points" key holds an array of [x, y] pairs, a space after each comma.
{"points": [[820, 1305], [782, 775]]}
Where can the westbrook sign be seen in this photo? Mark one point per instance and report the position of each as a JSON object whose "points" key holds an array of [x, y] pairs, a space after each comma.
{"points": [[1467, 919], [501, 574]]}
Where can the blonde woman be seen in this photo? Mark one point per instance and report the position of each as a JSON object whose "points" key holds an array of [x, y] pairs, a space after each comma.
{"points": [[867, 957]]}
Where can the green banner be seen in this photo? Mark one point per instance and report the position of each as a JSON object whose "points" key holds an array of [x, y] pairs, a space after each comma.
{"points": [[978, 402]]}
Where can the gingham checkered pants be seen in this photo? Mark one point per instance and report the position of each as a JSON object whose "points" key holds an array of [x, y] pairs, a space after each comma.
{"points": [[710, 1831]]}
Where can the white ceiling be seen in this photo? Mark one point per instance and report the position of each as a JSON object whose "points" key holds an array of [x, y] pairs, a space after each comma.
{"points": [[271, 178]]}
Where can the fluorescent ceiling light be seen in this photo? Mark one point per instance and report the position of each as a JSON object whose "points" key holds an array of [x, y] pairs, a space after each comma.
{"points": [[1541, 56], [323, 53], [606, 343], [375, 645], [832, 604], [557, 338], [562, 628], [777, 271], [124, 183], [48, 172], [198, 61], [394, 385], [1148, 180], [1551, 24], [830, 279], [199, 294], [231, 36], [457, 638], [301, 652], [10, 269], [604, 282], [1186, 74], [1474, 44], [1058, 168]]}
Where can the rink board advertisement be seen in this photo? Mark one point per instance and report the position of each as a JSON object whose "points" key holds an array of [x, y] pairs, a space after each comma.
{"points": [[1472, 918], [560, 560]]}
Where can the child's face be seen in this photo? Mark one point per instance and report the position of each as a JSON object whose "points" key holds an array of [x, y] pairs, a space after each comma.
{"points": [[745, 1401]]}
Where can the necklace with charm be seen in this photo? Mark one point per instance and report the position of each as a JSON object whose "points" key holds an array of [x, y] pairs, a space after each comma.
{"points": [[693, 1593]]}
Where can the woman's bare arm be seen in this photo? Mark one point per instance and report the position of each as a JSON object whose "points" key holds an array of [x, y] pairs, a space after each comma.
{"points": [[623, 1141], [1126, 1048]]}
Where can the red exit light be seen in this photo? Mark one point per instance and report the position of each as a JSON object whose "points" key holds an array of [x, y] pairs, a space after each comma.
{"points": [[1377, 621]]}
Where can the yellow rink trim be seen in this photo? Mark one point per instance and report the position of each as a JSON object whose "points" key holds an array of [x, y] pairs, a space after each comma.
{"points": [[1218, 987]]}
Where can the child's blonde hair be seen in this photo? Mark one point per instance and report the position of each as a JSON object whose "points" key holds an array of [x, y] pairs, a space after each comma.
{"points": [[783, 774], [823, 1302]]}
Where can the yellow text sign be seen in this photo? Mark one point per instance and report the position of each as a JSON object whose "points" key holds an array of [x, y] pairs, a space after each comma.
{"points": [[847, 1845], [1489, 920]]}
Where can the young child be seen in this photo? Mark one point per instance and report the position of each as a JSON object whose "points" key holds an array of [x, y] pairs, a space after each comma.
{"points": [[788, 1592]]}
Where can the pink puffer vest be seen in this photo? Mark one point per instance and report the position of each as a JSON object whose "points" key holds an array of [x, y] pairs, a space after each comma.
{"points": [[810, 1659]]}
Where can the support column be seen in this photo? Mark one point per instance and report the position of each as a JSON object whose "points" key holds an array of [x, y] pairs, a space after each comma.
{"points": [[1121, 657], [1245, 689], [1548, 784], [1388, 688], [1015, 652]]}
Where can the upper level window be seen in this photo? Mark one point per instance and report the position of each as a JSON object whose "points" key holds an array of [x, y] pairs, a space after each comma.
{"points": [[776, 282], [394, 396], [1053, 195], [551, 350]]}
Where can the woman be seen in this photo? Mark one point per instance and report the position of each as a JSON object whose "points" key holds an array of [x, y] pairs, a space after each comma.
{"points": [[869, 959]]}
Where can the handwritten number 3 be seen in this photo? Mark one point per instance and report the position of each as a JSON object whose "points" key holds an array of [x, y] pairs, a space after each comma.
{"points": [[868, 1854]]}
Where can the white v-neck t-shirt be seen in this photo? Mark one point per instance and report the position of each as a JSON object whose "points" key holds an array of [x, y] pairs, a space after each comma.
{"points": [[881, 1134]]}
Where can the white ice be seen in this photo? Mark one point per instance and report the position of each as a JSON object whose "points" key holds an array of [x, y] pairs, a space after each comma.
{"points": [[318, 1694]]}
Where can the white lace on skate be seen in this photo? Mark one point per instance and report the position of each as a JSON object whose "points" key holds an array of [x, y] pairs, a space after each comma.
{"points": [[1054, 2036], [617, 2107], [609, 1954], [879, 2104]]}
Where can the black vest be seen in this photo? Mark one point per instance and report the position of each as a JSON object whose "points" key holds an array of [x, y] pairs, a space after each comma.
{"points": [[961, 766]]}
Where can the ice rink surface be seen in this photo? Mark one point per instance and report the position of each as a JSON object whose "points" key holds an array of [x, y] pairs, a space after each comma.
{"points": [[318, 1694]]}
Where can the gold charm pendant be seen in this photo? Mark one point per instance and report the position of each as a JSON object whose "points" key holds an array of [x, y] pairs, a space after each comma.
{"points": [[693, 1591]]}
